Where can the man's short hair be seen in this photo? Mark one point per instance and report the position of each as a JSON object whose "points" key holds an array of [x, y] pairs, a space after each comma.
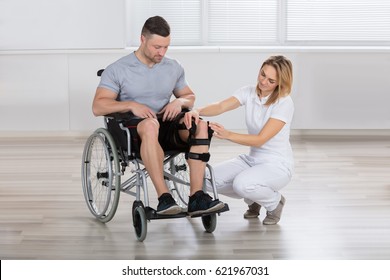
{"points": [[156, 25]]}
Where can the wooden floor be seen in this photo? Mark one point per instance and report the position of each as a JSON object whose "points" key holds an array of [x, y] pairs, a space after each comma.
{"points": [[337, 207]]}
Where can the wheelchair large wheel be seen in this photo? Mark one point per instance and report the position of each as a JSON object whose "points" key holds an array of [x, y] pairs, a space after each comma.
{"points": [[179, 186], [209, 222], [101, 175]]}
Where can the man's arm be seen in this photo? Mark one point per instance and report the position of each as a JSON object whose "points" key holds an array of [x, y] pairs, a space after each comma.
{"points": [[186, 96], [105, 103]]}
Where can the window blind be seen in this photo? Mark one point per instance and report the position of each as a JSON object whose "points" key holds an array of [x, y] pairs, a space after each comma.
{"points": [[235, 22], [338, 20], [268, 22], [183, 16]]}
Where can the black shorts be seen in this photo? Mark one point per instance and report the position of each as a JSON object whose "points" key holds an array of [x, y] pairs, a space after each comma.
{"points": [[168, 137]]}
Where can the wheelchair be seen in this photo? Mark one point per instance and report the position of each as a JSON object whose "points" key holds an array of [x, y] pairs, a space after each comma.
{"points": [[108, 152]]}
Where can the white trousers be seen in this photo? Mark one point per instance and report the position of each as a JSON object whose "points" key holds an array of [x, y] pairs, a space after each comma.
{"points": [[249, 178]]}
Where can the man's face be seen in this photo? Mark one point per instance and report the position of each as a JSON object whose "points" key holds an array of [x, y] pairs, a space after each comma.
{"points": [[155, 47]]}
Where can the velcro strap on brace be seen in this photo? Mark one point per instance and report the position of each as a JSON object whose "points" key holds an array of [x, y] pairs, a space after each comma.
{"points": [[205, 157], [191, 137], [198, 142]]}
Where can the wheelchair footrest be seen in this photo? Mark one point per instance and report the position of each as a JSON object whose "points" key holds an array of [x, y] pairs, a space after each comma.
{"points": [[151, 214], [224, 209]]}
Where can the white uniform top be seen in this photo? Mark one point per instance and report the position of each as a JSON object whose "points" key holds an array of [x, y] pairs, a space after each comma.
{"points": [[278, 148]]}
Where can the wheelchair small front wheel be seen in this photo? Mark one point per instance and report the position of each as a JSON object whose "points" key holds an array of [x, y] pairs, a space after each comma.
{"points": [[209, 222], [140, 223], [101, 175]]}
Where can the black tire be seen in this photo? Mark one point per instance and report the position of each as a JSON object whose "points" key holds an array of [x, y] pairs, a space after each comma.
{"points": [[210, 222], [140, 223]]}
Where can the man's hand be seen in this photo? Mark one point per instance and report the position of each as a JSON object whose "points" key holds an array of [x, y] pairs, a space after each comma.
{"points": [[170, 111], [142, 111], [189, 116]]}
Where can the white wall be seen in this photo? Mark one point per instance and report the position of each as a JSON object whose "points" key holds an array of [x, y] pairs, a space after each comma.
{"points": [[332, 89], [50, 52], [62, 24]]}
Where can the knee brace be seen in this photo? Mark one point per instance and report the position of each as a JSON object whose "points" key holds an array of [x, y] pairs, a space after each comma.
{"points": [[192, 141]]}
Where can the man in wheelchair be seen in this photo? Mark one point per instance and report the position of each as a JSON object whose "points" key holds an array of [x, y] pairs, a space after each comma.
{"points": [[142, 84]]}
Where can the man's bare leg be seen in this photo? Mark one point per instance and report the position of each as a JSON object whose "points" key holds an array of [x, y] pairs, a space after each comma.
{"points": [[200, 202], [153, 156], [197, 167]]}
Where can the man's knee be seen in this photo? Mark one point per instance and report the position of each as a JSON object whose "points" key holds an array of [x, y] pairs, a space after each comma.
{"points": [[148, 129], [202, 129], [199, 136]]}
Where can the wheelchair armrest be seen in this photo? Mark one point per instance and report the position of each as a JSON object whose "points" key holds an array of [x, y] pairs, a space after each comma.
{"points": [[100, 72], [122, 117]]}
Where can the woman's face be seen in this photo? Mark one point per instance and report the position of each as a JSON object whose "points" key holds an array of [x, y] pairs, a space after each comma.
{"points": [[268, 80]]}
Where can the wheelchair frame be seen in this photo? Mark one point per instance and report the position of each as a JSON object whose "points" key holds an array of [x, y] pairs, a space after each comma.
{"points": [[103, 165]]}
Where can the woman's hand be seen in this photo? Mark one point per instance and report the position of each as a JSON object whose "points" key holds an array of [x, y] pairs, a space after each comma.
{"points": [[219, 130]]}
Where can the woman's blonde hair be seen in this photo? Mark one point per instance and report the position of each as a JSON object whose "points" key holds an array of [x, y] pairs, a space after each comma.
{"points": [[284, 72]]}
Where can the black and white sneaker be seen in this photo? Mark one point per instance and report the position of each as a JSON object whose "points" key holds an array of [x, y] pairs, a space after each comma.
{"points": [[200, 203], [167, 205]]}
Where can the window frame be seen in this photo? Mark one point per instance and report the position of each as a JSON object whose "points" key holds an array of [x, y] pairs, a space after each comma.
{"points": [[281, 36]]}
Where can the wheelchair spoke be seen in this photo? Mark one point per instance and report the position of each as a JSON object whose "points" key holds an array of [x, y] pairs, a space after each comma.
{"points": [[100, 175], [177, 179]]}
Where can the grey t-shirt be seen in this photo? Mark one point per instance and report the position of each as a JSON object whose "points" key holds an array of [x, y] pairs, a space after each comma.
{"points": [[134, 81]]}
